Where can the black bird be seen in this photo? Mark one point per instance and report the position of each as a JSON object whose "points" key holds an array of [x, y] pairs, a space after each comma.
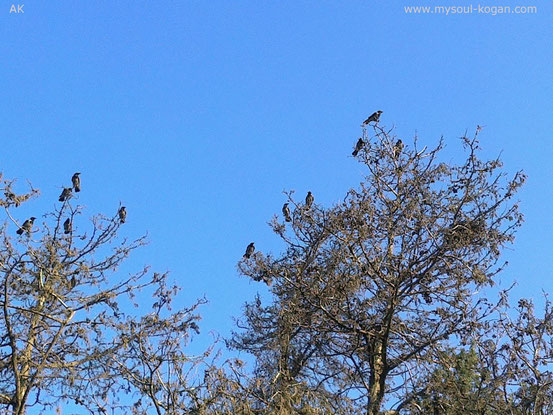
{"points": [[122, 214], [27, 226], [286, 212], [76, 180], [375, 116], [309, 199], [249, 251], [65, 194], [73, 282], [426, 297], [398, 148], [194, 327], [67, 226], [358, 147]]}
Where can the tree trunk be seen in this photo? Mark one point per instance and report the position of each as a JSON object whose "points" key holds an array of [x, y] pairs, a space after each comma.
{"points": [[377, 380]]}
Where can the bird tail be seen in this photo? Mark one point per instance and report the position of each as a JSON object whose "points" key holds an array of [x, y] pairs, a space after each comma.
{"points": [[77, 188], [20, 231], [354, 153]]}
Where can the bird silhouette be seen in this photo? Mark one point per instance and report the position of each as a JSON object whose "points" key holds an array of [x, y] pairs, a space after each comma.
{"points": [[67, 226], [76, 180], [122, 214], [27, 226], [249, 251], [65, 194], [375, 116], [398, 148], [286, 212], [309, 199], [358, 147]]}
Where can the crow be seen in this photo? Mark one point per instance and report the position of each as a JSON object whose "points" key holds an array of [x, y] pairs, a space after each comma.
{"points": [[286, 212], [426, 297], [398, 148], [249, 251], [358, 147], [309, 199], [67, 226], [76, 180], [122, 214], [375, 116], [27, 226], [65, 194]]}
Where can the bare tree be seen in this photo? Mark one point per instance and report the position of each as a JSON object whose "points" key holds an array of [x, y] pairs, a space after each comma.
{"points": [[505, 370], [151, 361], [66, 331], [523, 348], [371, 292], [376, 303]]}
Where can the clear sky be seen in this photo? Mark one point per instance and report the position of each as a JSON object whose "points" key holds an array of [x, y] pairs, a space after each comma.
{"points": [[196, 115]]}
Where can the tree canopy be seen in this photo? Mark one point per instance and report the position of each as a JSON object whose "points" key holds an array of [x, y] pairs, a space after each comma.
{"points": [[370, 294], [376, 305], [65, 336]]}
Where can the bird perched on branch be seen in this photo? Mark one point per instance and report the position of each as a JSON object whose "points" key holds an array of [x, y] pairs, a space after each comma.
{"points": [[76, 180], [375, 116], [398, 148], [67, 226], [65, 194], [309, 199], [358, 147], [122, 214], [286, 213], [249, 251], [27, 226]]}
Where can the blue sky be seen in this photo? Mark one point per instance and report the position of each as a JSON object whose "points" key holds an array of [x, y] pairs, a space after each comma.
{"points": [[196, 115]]}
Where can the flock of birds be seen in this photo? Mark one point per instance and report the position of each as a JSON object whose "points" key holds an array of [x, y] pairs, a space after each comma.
{"points": [[65, 195], [375, 117], [309, 199]]}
